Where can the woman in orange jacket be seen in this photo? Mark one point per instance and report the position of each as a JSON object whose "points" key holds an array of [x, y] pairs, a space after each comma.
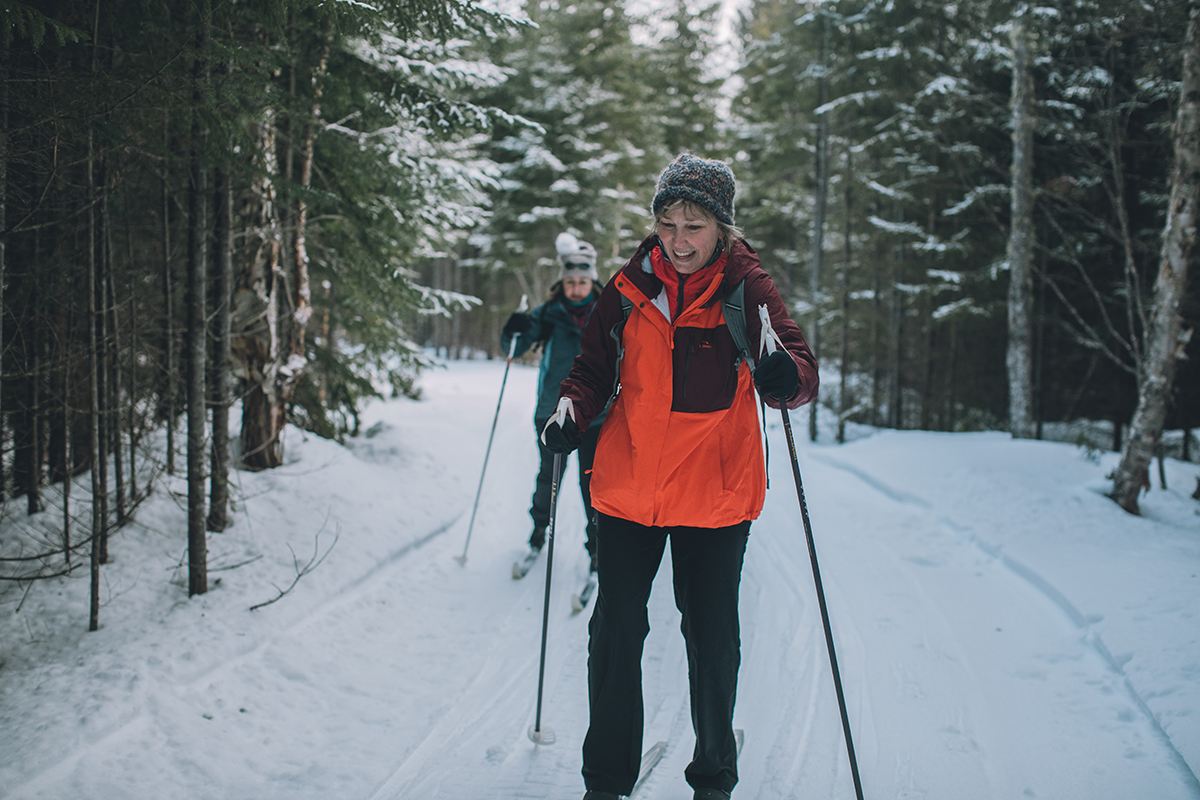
{"points": [[679, 459]]}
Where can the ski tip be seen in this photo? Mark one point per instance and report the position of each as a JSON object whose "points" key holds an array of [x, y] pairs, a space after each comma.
{"points": [[517, 573], [576, 604]]}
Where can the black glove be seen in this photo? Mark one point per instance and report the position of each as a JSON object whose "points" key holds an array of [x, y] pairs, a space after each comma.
{"points": [[562, 439], [517, 323], [777, 375]]}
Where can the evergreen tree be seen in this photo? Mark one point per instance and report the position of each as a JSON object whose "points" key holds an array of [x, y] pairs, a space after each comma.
{"points": [[578, 153]]}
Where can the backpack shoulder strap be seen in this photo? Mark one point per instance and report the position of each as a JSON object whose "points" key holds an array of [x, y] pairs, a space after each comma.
{"points": [[734, 308], [616, 333]]}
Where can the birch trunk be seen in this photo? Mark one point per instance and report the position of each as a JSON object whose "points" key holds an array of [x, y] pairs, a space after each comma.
{"points": [[255, 337], [1165, 338], [1020, 242]]}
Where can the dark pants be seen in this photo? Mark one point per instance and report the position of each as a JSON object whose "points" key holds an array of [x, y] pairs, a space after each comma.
{"points": [[540, 509], [707, 565]]}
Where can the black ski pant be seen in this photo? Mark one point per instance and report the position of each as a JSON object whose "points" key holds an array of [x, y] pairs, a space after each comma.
{"points": [[540, 508], [707, 565]]}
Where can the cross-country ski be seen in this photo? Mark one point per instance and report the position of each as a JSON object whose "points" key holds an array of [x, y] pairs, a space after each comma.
{"points": [[580, 599], [522, 565]]}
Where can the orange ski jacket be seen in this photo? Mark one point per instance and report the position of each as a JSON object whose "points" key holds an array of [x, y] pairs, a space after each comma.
{"points": [[681, 444]]}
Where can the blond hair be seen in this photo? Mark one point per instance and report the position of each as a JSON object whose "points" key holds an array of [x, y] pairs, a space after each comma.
{"points": [[693, 210]]}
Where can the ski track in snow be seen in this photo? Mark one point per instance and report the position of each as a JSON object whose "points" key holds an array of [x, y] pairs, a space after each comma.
{"points": [[1110, 682], [1081, 623], [417, 679]]}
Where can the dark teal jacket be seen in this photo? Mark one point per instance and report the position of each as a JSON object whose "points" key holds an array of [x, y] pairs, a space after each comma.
{"points": [[555, 328]]}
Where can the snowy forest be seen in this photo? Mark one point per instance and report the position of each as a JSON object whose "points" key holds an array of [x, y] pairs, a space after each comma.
{"points": [[255, 261], [280, 209]]}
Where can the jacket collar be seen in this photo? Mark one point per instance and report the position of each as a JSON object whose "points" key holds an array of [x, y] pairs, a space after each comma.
{"points": [[742, 259]]}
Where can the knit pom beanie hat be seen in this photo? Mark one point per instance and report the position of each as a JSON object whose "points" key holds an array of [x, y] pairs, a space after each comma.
{"points": [[575, 257], [703, 181]]}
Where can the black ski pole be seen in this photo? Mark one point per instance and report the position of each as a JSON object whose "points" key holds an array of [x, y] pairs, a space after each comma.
{"points": [[537, 733], [512, 349], [768, 340]]}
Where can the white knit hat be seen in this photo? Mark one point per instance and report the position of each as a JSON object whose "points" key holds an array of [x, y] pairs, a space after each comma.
{"points": [[575, 257]]}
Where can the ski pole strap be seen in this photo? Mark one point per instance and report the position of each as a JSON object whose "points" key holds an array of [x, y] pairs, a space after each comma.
{"points": [[565, 408], [767, 338]]}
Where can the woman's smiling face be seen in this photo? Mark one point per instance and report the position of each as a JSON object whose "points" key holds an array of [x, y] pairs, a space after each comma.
{"points": [[689, 239]]}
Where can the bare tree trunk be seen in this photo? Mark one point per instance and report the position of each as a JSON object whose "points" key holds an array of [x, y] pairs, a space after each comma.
{"points": [[33, 486], [168, 305], [820, 199], [896, 314], [68, 467], [100, 321], [3, 203], [950, 417], [197, 334], [218, 500], [94, 381], [876, 365], [1020, 242], [1165, 338], [133, 359], [112, 359], [844, 395]]}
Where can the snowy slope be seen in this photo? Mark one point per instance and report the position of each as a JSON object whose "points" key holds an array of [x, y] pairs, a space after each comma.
{"points": [[1004, 631]]}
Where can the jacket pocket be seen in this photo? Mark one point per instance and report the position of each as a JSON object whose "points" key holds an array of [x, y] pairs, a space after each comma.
{"points": [[704, 377]]}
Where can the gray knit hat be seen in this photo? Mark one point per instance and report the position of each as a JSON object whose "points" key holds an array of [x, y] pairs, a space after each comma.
{"points": [[576, 257], [703, 181]]}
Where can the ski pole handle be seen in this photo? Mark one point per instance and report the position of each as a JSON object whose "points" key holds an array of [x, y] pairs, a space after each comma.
{"points": [[512, 345]]}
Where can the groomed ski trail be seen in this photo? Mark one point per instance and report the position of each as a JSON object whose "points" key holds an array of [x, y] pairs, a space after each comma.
{"points": [[932, 650], [930, 628]]}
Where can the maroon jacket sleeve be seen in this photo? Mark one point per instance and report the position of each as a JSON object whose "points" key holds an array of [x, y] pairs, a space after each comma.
{"points": [[761, 289], [592, 377]]}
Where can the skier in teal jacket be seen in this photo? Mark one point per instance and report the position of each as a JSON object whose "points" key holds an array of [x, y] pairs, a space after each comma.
{"points": [[558, 325]]}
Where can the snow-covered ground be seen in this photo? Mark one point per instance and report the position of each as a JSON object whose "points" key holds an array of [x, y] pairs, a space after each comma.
{"points": [[1004, 630]]}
